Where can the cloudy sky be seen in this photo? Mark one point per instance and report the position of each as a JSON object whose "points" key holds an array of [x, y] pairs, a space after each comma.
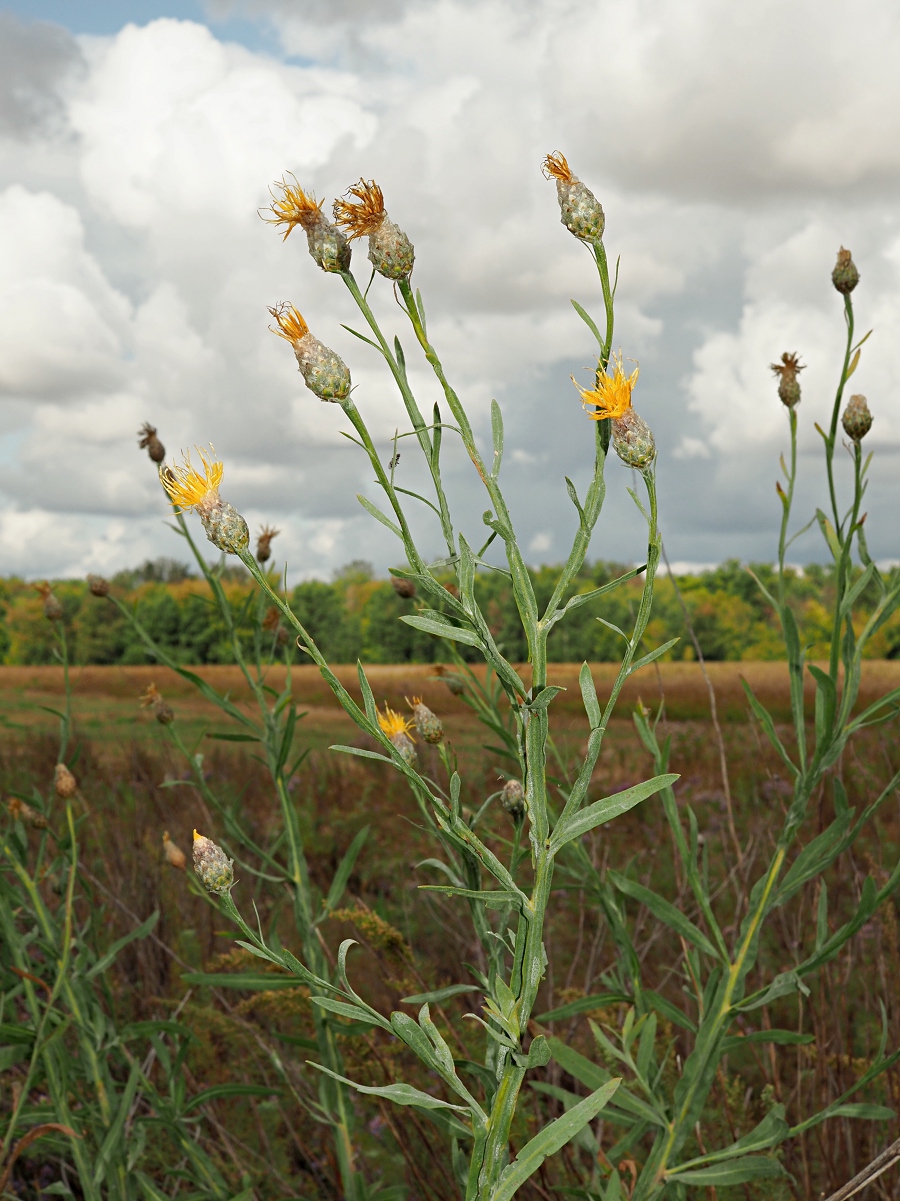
{"points": [[734, 147]]}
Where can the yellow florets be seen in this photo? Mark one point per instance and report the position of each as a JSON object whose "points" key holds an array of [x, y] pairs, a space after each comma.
{"points": [[363, 215], [293, 207], [393, 723], [612, 394], [555, 166], [291, 325], [188, 486]]}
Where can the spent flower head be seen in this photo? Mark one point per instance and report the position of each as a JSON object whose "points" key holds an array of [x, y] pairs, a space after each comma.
{"points": [[64, 783], [97, 585], [212, 865], [53, 610], [264, 543], [580, 210], [152, 698], [147, 440], [512, 798], [291, 206], [324, 371], [845, 275], [428, 725], [197, 488], [788, 384], [175, 856], [856, 418], [362, 214], [20, 810]]}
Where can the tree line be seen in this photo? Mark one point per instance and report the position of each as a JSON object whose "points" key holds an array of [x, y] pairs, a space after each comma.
{"points": [[356, 616]]}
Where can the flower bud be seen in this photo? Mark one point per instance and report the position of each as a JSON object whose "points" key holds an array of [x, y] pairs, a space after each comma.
{"points": [[324, 372], [153, 699], [212, 865], [64, 782], [97, 585], [148, 441], [53, 610], [512, 798], [264, 543], [788, 384], [325, 242], [428, 724], [845, 275], [190, 488], [21, 811], [856, 419], [174, 854], [580, 210], [390, 251], [404, 588]]}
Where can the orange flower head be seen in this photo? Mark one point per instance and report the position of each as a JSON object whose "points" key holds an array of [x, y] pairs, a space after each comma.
{"points": [[612, 394], [364, 215], [192, 487], [555, 166], [291, 325], [293, 207], [150, 696]]}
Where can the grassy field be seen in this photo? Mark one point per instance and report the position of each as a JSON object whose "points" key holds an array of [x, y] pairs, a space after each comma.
{"points": [[134, 785]]}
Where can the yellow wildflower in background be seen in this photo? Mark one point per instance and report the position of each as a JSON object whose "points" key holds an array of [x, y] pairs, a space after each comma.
{"points": [[397, 728]]}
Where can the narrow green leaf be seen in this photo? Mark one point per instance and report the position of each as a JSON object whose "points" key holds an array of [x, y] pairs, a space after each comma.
{"points": [[229, 1090], [583, 1005], [439, 994], [248, 981], [497, 437], [665, 911], [140, 932], [589, 322], [361, 752], [400, 1094], [227, 737], [868, 1113], [603, 811], [443, 630], [589, 696], [353, 1012], [544, 697], [342, 875], [652, 656], [493, 900], [378, 515], [781, 1038], [754, 1167]]}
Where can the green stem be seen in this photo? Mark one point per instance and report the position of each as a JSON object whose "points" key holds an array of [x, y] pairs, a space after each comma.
{"points": [[831, 440]]}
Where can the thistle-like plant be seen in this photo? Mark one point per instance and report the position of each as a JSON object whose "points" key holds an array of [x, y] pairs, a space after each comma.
{"points": [[508, 915]]}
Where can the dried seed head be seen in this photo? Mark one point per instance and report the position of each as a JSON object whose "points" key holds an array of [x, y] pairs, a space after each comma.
{"points": [[788, 384], [845, 275], [53, 610], [21, 811], [856, 419], [292, 206], [512, 798], [148, 441], [264, 543], [324, 372], [175, 856], [428, 724], [397, 728], [580, 210], [390, 251], [454, 683], [272, 625], [64, 782], [153, 699], [633, 440], [97, 585], [212, 865], [191, 487], [403, 588]]}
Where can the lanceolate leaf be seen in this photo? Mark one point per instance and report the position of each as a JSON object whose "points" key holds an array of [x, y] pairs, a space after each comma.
{"points": [[400, 1094], [754, 1167], [665, 911], [550, 1140], [603, 811]]}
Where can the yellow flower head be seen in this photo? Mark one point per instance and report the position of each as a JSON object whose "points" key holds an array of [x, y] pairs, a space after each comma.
{"points": [[555, 166], [291, 325], [293, 207], [393, 723], [188, 486], [363, 215], [612, 395]]}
